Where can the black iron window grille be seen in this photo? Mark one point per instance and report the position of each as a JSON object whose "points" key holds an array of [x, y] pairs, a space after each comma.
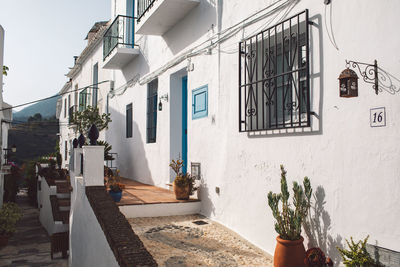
{"points": [[142, 7], [152, 96], [274, 79], [120, 33]]}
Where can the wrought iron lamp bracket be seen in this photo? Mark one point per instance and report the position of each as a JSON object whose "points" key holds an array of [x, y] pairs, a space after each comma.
{"points": [[369, 73]]}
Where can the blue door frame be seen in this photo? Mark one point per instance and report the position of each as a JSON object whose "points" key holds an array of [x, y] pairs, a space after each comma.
{"points": [[184, 124]]}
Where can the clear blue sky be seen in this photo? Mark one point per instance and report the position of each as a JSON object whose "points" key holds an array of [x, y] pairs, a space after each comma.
{"points": [[41, 38]]}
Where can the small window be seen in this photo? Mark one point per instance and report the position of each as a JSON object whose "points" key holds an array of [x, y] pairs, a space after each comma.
{"points": [[200, 102], [65, 108], [83, 99], [129, 120], [152, 96], [66, 150], [95, 87]]}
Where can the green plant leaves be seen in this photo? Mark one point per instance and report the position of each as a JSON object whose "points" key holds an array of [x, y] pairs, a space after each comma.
{"points": [[288, 220]]}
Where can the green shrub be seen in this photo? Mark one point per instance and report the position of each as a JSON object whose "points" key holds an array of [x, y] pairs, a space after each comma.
{"points": [[31, 181], [288, 221], [10, 213], [357, 254]]}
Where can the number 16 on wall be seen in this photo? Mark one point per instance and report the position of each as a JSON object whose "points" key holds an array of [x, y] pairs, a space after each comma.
{"points": [[378, 117]]}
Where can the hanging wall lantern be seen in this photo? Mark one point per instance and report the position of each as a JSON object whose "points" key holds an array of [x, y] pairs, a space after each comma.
{"points": [[163, 97], [348, 83]]}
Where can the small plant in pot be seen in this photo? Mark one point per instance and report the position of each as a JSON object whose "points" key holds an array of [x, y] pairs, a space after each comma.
{"points": [[357, 254], [184, 183], [10, 214], [115, 186], [289, 251]]}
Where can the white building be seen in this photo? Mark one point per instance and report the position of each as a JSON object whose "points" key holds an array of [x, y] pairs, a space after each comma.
{"points": [[244, 86], [83, 89], [5, 118]]}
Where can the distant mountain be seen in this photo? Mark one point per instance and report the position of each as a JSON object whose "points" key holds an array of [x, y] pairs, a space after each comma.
{"points": [[47, 108]]}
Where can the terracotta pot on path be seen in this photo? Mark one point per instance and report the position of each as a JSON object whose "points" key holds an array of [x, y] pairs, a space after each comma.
{"points": [[289, 253], [181, 193]]}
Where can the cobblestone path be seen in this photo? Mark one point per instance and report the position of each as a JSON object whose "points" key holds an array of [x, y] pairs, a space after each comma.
{"points": [[30, 245], [186, 241]]}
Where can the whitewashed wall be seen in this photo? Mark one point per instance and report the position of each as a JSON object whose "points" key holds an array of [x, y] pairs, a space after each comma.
{"points": [[90, 247], [45, 210], [354, 169], [1, 104], [86, 236]]}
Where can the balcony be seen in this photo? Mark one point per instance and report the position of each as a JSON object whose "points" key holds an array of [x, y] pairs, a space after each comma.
{"points": [[119, 44], [156, 17]]}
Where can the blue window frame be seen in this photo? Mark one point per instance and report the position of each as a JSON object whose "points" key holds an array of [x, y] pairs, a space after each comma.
{"points": [[200, 102]]}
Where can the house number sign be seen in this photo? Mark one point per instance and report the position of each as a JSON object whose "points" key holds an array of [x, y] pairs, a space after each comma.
{"points": [[378, 117]]}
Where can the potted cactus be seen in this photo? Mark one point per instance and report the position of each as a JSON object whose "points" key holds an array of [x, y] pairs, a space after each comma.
{"points": [[289, 251]]}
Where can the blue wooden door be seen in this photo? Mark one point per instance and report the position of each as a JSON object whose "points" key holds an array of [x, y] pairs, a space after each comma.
{"points": [[184, 124]]}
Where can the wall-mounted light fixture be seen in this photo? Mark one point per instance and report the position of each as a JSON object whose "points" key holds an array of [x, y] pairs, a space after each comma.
{"points": [[163, 97], [370, 74], [348, 83]]}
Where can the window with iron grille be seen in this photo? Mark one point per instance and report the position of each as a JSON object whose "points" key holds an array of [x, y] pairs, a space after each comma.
{"points": [[95, 86], [129, 120], [65, 150], [274, 80], [152, 96], [84, 97], [65, 108]]}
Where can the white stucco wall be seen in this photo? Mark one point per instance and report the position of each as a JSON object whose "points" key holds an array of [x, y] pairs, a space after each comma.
{"points": [[89, 245], [45, 211], [1, 104], [353, 168], [355, 165]]}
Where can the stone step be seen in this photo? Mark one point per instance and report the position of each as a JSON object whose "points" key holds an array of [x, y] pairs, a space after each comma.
{"points": [[64, 202], [63, 187]]}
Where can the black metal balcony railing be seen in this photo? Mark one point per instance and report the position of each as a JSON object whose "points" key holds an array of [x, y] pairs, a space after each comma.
{"points": [[142, 7], [120, 33]]}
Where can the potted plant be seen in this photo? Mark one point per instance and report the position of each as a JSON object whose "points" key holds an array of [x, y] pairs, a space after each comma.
{"points": [[115, 186], [315, 257], [357, 254], [10, 213], [289, 251], [184, 183]]}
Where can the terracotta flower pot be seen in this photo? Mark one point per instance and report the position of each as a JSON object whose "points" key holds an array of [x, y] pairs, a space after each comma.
{"points": [[181, 193], [289, 253]]}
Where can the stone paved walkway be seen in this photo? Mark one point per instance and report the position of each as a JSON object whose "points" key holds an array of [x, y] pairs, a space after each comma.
{"points": [[30, 245], [176, 241]]}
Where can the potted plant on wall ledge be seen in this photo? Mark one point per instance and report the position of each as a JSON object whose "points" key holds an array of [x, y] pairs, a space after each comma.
{"points": [[115, 186], [289, 251], [184, 183]]}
